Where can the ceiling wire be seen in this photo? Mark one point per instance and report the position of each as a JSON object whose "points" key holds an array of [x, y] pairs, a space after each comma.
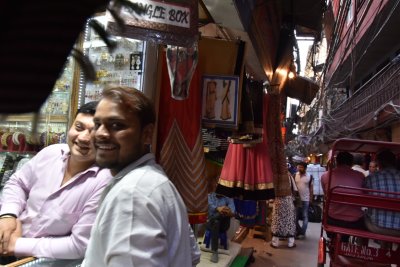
{"points": [[334, 126], [328, 119], [377, 31]]}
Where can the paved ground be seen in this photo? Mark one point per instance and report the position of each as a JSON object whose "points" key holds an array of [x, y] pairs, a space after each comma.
{"points": [[305, 253]]}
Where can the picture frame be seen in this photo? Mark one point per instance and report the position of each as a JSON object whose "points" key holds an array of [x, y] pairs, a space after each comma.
{"points": [[220, 101]]}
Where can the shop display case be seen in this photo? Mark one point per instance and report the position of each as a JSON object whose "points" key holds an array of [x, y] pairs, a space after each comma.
{"points": [[29, 132], [22, 135], [122, 66], [53, 115]]}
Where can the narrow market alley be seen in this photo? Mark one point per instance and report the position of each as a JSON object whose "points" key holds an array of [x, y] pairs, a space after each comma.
{"points": [[303, 255]]}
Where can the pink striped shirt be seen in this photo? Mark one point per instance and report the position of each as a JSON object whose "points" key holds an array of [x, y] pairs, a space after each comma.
{"points": [[56, 220]]}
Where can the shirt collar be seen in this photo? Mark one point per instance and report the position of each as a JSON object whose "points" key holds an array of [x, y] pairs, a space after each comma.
{"points": [[66, 154], [149, 157]]}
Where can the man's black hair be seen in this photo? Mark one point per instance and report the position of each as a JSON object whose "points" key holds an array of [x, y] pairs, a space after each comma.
{"points": [[344, 158], [386, 159], [302, 164], [88, 108]]}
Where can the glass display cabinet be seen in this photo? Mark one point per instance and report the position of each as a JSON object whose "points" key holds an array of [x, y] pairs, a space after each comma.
{"points": [[122, 66]]}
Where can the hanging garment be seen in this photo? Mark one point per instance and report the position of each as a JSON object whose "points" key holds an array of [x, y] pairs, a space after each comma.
{"points": [[211, 98], [247, 172], [251, 108], [181, 63], [180, 145], [246, 211]]}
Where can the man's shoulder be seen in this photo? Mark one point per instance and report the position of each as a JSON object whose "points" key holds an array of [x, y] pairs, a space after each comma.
{"points": [[297, 175], [149, 185], [393, 171], [146, 178], [357, 173], [383, 179], [386, 174], [360, 169], [344, 170], [104, 174], [55, 150], [324, 176], [55, 147]]}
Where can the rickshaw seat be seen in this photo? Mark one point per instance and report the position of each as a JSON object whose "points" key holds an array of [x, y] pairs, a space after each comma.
{"points": [[363, 199]]}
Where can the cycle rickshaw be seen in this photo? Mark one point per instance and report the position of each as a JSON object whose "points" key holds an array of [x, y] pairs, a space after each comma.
{"points": [[350, 253]]}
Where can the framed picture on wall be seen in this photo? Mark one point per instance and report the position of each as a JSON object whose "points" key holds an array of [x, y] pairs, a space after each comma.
{"points": [[220, 100]]}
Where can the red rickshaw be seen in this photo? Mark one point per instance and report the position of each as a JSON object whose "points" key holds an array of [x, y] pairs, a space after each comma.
{"points": [[346, 254]]}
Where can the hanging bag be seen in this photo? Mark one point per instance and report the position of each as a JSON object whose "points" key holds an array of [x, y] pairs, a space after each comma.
{"points": [[314, 213], [295, 192]]}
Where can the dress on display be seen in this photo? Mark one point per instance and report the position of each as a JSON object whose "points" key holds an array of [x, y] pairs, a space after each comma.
{"points": [[180, 145], [211, 98], [225, 104], [247, 172]]}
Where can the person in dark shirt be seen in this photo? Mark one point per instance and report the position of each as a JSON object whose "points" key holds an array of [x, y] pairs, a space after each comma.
{"points": [[220, 211]]}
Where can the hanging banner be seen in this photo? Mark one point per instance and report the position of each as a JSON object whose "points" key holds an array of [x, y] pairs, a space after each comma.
{"points": [[166, 22]]}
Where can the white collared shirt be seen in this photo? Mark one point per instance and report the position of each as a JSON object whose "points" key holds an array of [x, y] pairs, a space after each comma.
{"points": [[360, 169], [142, 221]]}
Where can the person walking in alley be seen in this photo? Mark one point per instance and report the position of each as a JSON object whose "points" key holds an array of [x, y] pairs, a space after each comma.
{"points": [[284, 217], [303, 182]]}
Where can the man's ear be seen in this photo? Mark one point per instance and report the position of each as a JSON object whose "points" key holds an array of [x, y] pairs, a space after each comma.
{"points": [[147, 134]]}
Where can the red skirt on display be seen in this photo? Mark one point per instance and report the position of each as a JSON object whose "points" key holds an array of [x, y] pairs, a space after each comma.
{"points": [[247, 171]]}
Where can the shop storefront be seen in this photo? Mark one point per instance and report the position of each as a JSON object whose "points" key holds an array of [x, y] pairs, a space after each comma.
{"points": [[133, 62]]}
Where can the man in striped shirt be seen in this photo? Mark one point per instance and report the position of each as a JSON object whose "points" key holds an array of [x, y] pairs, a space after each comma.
{"points": [[386, 179]]}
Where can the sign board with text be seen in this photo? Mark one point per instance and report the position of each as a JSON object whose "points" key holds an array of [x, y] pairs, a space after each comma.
{"points": [[167, 22], [368, 254]]}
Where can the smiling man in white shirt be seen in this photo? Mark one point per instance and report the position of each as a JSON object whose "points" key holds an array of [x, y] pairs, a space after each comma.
{"points": [[142, 220]]}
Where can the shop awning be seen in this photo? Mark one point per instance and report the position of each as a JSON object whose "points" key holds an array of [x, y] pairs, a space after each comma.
{"points": [[301, 88]]}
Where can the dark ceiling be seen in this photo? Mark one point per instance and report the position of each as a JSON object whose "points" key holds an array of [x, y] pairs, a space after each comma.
{"points": [[37, 37]]}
